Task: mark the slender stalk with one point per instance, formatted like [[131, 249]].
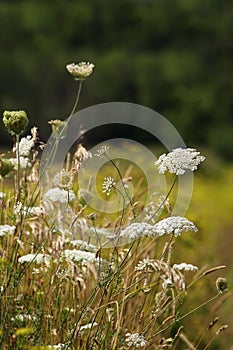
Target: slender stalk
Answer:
[[167, 195], [18, 168]]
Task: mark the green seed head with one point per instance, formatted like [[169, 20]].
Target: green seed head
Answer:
[[15, 121]]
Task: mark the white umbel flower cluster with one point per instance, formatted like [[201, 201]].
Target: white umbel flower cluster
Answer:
[[185, 267], [80, 70], [24, 162], [59, 195], [175, 225], [171, 225], [79, 256], [103, 151], [135, 339], [179, 160], [59, 346], [35, 258], [108, 184], [25, 146], [138, 229], [7, 230]]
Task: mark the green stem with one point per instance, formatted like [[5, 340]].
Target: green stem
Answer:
[[18, 167], [167, 195]]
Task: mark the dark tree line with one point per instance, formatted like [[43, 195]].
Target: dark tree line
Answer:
[[172, 56]]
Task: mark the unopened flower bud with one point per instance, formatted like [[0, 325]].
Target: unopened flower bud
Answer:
[[15, 121]]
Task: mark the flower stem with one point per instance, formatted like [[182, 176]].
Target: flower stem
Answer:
[[18, 168]]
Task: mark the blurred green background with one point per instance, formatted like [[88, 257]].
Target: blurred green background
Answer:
[[172, 56]]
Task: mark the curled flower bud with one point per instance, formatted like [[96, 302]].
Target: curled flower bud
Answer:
[[15, 121], [81, 70], [221, 285], [5, 167]]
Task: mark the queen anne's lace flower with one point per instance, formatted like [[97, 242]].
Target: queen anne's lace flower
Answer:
[[179, 160], [81, 70], [59, 195], [103, 151], [25, 146], [135, 340], [138, 229], [7, 230], [36, 258], [79, 256], [23, 161], [185, 267], [108, 184], [175, 225]]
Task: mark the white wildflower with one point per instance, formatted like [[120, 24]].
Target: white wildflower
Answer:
[[63, 179], [175, 225], [23, 318], [37, 211], [185, 267], [7, 230], [36, 258], [103, 151], [138, 229], [82, 245], [23, 161], [79, 256], [179, 160], [135, 339], [88, 326], [108, 184], [81, 70], [59, 195], [18, 207], [2, 195], [25, 146], [59, 346]]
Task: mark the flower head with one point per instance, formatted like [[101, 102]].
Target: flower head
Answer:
[[185, 267], [175, 225], [135, 340], [79, 256], [15, 121], [81, 70], [23, 161], [103, 151], [25, 146], [36, 258], [108, 184], [179, 160], [7, 230], [60, 195], [138, 229]]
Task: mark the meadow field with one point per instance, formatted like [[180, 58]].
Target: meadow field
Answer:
[[73, 277]]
